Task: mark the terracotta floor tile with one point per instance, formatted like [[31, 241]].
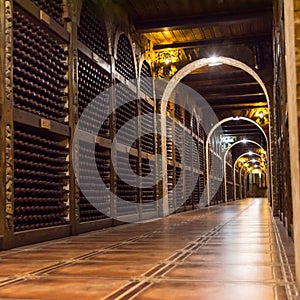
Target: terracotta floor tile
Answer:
[[131, 256], [12, 267], [220, 272], [178, 290], [233, 257], [239, 261], [42, 254], [61, 289], [111, 269]]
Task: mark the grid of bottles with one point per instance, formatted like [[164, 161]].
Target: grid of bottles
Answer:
[[126, 111], [146, 81], [187, 119], [92, 86], [40, 180], [52, 7], [179, 187], [94, 203], [125, 62], [148, 193], [127, 191], [147, 125], [91, 31], [195, 126], [40, 69], [189, 183], [169, 139], [178, 142], [179, 113], [170, 170]]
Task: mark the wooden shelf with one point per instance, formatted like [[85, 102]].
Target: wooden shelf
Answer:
[[33, 120], [92, 139], [127, 82], [94, 57]]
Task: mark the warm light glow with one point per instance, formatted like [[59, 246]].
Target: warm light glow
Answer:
[[250, 153], [167, 60], [261, 114], [214, 61]]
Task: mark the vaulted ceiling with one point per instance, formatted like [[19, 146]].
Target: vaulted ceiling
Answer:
[[240, 29]]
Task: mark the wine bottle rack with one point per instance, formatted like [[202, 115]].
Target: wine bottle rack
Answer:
[[170, 171], [125, 113], [146, 83], [229, 188], [147, 141], [178, 142], [92, 82], [40, 180], [187, 119], [201, 133], [125, 62], [229, 173], [94, 203], [126, 190], [189, 183], [195, 126], [215, 184], [201, 185], [201, 157], [179, 113], [52, 7], [195, 154], [148, 193], [169, 139], [40, 69], [188, 149], [197, 192], [179, 187], [91, 31]]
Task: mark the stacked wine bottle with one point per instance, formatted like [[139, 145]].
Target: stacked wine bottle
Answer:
[[127, 191], [92, 86], [127, 111], [125, 61], [91, 31], [95, 202], [40, 68], [148, 193], [52, 7], [40, 180], [146, 81], [147, 140]]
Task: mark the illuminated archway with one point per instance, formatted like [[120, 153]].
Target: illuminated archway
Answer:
[[208, 141], [202, 63], [234, 166], [224, 161]]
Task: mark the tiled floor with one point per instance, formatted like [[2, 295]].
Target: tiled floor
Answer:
[[227, 252]]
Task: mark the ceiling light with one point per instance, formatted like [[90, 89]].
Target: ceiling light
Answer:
[[244, 141], [250, 153], [167, 60], [261, 114], [214, 61], [236, 119]]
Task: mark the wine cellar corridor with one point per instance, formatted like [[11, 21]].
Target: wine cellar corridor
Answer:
[[149, 150]]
